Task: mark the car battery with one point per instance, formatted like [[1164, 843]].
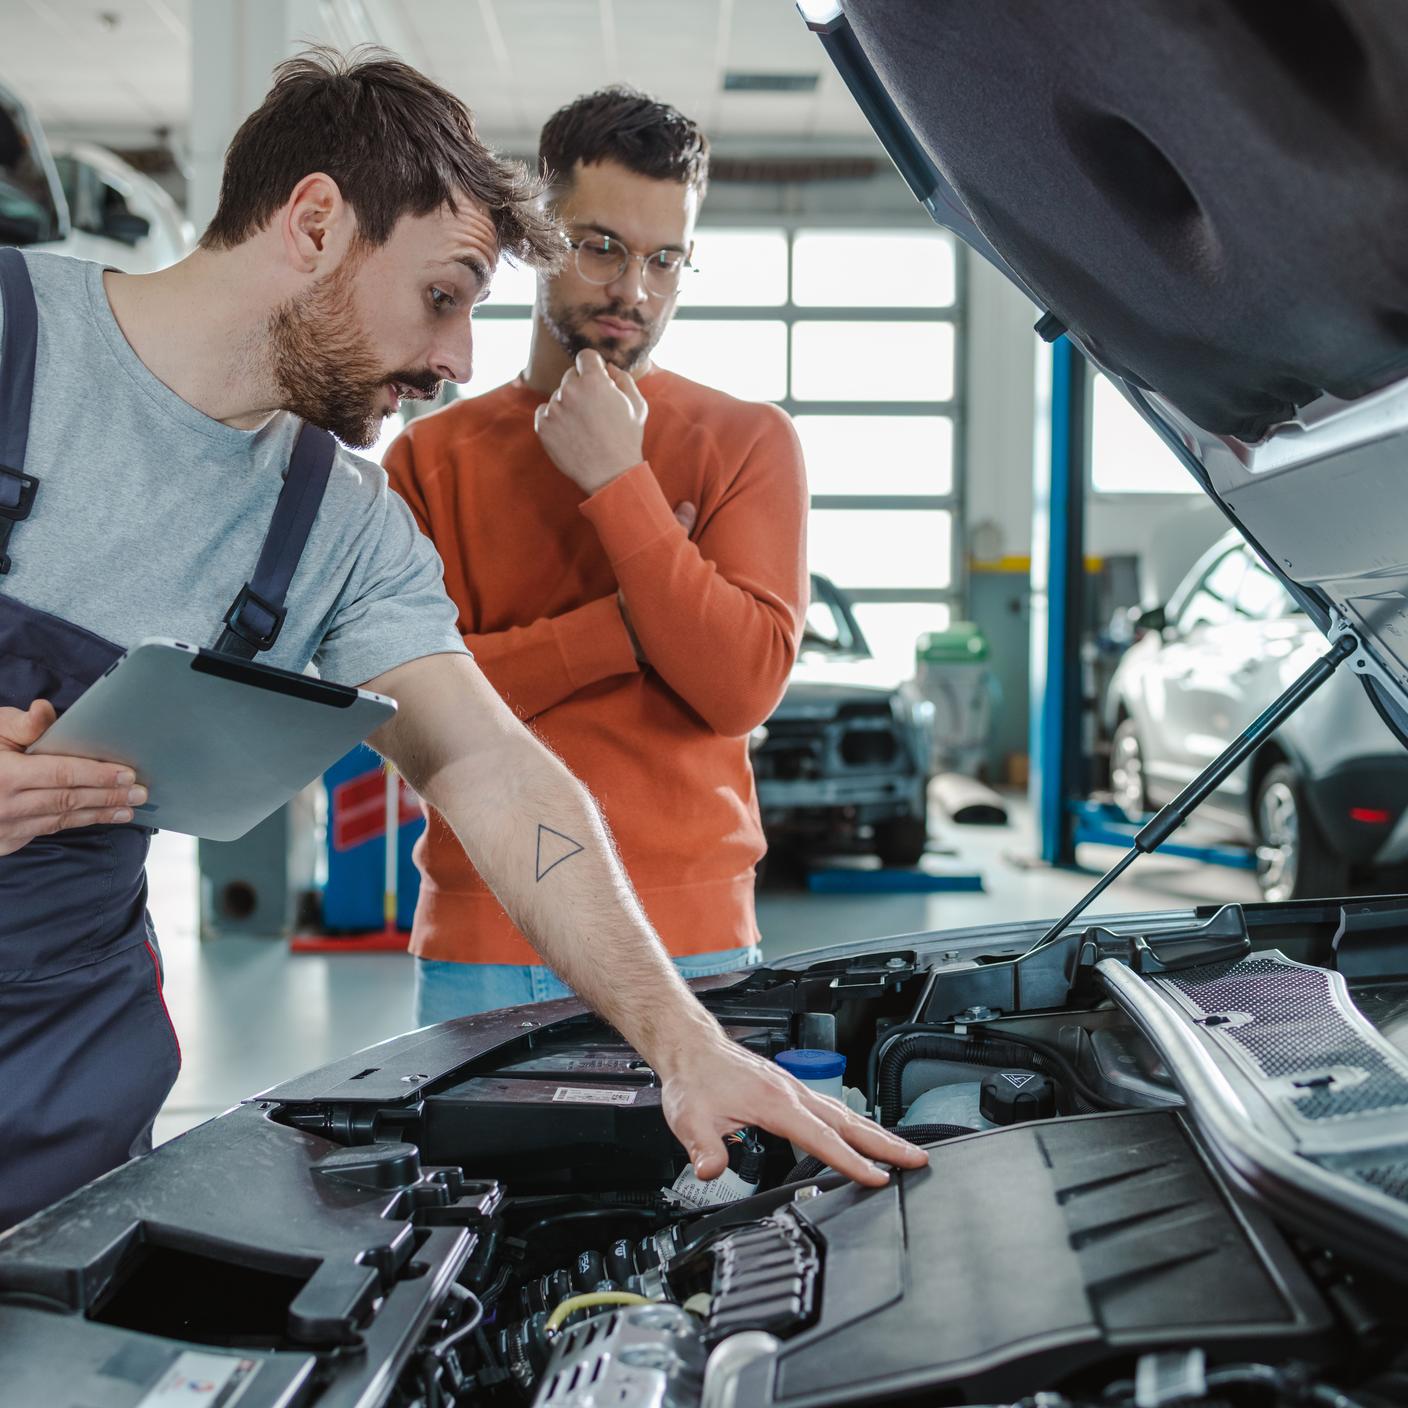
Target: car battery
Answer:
[[354, 894], [566, 1126], [563, 1114]]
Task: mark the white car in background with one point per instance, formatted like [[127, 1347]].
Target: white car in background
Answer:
[[118, 216], [1323, 801], [82, 200]]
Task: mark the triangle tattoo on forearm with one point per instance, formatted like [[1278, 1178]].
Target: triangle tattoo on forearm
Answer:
[[554, 848]]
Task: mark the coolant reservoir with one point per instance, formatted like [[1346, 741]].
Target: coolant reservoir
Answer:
[[957, 1104], [1001, 1097]]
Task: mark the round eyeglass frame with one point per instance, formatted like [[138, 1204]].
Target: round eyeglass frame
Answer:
[[628, 257]]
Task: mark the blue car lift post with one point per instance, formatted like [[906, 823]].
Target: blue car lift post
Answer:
[[1059, 781], [1058, 565]]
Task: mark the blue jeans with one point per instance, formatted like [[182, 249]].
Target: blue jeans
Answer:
[[448, 990]]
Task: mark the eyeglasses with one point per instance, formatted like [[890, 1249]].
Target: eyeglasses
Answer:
[[602, 259]]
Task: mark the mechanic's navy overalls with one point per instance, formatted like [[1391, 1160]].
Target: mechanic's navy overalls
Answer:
[[87, 1050]]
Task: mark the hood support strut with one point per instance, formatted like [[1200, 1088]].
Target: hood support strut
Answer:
[[1170, 818]]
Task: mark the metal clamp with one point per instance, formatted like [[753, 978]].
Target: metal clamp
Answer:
[[261, 637], [17, 491]]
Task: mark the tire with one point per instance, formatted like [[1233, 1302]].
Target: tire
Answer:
[[1127, 777], [1293, 859], [901, 843]]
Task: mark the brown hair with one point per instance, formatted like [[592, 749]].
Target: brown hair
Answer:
[[395, 143], [624, 125]]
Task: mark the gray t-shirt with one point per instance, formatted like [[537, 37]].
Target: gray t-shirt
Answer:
[[150, 515]]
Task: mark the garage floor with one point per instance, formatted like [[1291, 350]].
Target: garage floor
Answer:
[[250, 1014]]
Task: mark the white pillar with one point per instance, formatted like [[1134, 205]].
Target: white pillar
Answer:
[[1001, 391], [235, 46]]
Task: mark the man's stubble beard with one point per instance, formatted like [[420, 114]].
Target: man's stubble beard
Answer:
[[567, 324], [324, 370]]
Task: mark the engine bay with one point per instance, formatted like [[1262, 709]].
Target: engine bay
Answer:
[[1185, 1181]]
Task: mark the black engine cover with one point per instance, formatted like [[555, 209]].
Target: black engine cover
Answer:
[[1025, 1254]]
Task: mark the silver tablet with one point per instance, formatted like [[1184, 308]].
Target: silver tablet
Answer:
[[219, 743]]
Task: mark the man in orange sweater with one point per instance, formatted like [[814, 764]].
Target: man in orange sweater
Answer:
[[627, 552]]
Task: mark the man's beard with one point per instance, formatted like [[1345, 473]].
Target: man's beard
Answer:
[[568, 326], [325, 371]]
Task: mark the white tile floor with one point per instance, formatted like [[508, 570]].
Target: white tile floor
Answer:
[[250, 1014]]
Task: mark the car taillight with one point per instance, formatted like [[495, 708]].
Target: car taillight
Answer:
[[1370, 816]]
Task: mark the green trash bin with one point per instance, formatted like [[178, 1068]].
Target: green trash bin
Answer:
[[952, 672]]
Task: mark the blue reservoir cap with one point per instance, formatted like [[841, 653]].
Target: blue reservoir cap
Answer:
[[807, 1064]]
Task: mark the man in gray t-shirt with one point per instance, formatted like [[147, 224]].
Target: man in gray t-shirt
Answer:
[[152, 513], [360, 221]]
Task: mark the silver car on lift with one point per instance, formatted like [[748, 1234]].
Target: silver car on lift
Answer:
[[1325, 799]]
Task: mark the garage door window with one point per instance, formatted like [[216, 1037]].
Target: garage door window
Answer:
[[1126, 454]]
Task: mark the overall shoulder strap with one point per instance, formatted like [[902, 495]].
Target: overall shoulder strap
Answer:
[[256, 616], [17, 352]]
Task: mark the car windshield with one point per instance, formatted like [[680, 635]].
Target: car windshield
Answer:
[[829, 631], [1236, 588], [28, 213]]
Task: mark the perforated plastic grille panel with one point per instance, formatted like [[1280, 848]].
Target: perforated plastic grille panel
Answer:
[[1292, 1024], [1387, 1178]]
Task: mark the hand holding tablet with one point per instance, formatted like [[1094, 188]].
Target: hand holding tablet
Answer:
[[218, 743]]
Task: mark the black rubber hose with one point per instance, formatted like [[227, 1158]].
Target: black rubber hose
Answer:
[[914, 1133], [1280, 1382], [945, 1046], [588, 1215]]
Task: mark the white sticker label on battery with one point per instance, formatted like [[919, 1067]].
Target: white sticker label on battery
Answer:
[[199, 1380], [585, 1095]]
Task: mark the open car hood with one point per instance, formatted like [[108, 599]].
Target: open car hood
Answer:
[[1208, 199]]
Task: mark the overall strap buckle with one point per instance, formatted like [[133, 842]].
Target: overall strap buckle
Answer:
[[253, 622], [254, 619], [17, 491]]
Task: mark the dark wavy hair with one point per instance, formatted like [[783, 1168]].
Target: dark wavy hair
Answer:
[[624, 125], [395, 143]]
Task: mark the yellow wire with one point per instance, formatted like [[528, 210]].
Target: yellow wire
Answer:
[[593, 1298]]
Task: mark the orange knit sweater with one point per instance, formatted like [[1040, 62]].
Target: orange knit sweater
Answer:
[[534, 568]]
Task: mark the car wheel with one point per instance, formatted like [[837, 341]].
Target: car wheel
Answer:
[[1293, 859], [901, 843], [1127, 772]]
